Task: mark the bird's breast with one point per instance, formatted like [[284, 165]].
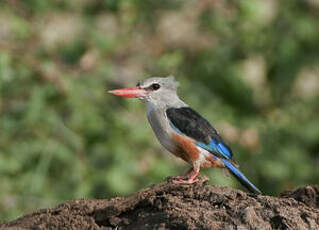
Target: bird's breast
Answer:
[[161, 127]]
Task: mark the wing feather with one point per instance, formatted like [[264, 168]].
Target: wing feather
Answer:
[[188, 122]]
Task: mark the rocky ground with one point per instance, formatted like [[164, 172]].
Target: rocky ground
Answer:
[[170, 206]]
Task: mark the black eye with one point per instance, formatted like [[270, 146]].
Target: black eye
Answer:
[[155, 86]]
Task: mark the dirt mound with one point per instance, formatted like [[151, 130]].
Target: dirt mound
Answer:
[[170, 206]]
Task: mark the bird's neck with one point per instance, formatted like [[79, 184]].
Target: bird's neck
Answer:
[[161, 105]]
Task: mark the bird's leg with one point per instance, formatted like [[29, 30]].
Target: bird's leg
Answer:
[[191, 179], [186, 175]]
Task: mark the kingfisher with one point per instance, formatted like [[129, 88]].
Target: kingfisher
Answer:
[[182, 131]]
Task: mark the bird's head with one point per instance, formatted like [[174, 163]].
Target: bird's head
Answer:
[[155, 89]]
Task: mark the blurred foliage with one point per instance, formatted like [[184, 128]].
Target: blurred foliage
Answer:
[[250, 67]]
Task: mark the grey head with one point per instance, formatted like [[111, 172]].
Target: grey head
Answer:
[[162, 91]]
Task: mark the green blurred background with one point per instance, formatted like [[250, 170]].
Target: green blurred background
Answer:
[[250, 67]]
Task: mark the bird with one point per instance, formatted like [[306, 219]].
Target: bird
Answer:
[[182, 131]]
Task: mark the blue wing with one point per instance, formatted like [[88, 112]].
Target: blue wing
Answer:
[[216, 147], [188, 122]]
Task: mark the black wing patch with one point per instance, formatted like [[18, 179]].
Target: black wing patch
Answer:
[[190, 123]]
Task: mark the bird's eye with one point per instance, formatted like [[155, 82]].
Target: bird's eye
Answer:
[[155, 86]]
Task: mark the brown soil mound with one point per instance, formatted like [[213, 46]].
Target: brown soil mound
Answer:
[[170, 206]]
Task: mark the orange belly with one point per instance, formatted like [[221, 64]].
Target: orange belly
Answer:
[[187, 149]]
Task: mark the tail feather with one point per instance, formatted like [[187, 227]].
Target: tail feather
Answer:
[[240, 176]]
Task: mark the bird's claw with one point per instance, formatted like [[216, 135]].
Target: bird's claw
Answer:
[[187, 175], [185, 181], [182, 177]]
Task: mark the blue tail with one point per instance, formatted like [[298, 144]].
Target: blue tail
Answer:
[[240, 176]]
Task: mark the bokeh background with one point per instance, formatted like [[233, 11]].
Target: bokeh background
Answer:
[[250, 67]]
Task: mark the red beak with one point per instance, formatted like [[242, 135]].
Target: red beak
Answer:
[[129, 92]]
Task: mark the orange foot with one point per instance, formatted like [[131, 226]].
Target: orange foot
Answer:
[[185, 176], [186, 179], [183, 181]]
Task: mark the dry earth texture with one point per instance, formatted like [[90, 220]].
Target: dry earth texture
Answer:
[[170, 206]]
